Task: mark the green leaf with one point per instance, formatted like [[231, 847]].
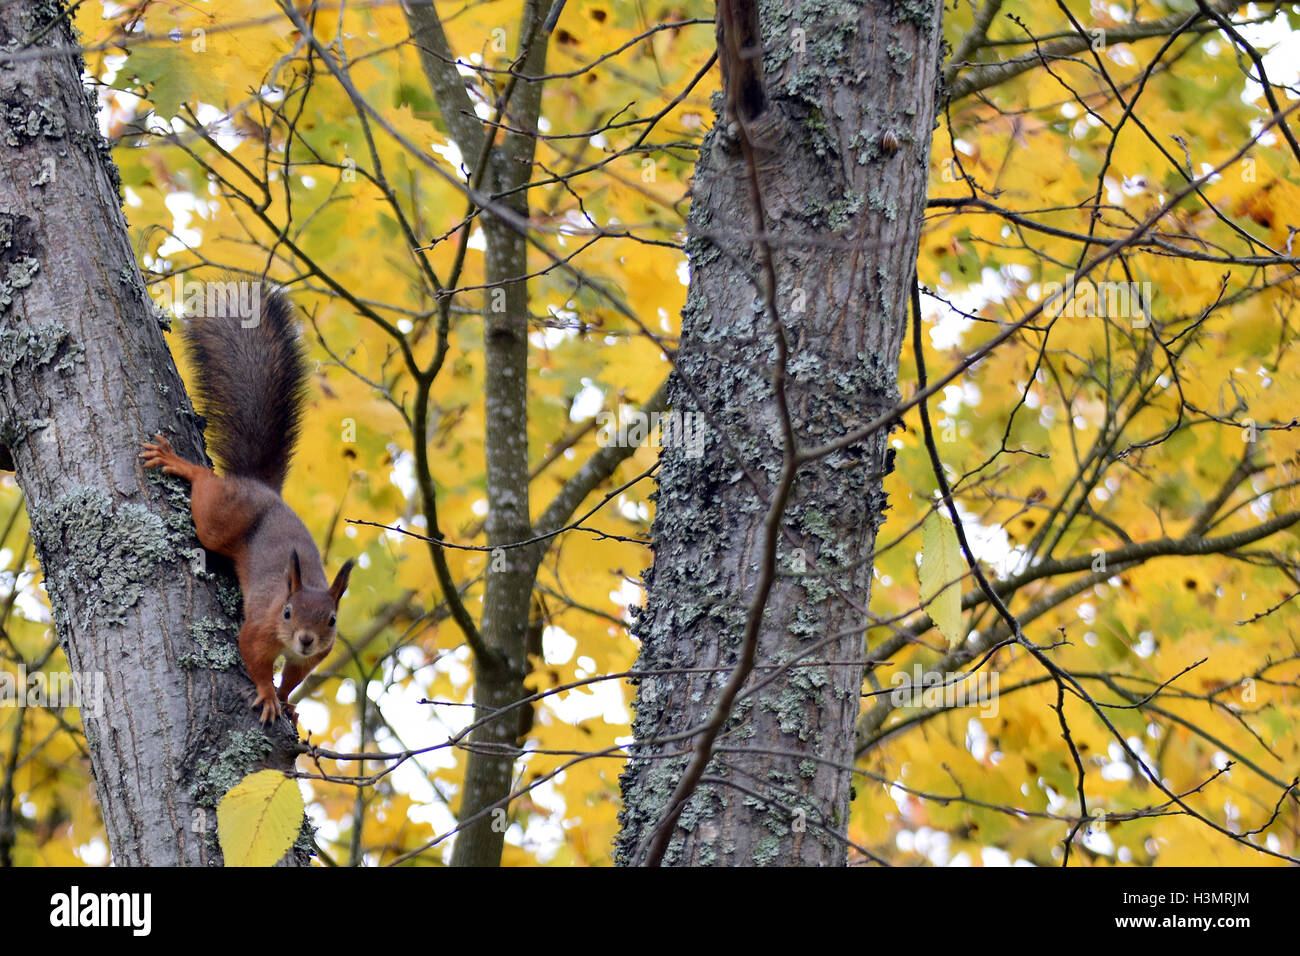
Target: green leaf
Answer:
[[941, 571], [259, 818], [155, 73]]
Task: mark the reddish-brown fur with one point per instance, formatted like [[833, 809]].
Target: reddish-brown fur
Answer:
[[251, 380], [279, 570]]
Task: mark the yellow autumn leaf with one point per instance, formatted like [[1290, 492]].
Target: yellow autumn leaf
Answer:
[[259, 818], [941, 571]]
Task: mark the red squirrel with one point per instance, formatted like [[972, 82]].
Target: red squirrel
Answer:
[[251, 386]]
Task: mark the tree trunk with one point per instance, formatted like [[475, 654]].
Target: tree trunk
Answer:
[[500, 644], [85, 375], [498, 683], [841, 148]]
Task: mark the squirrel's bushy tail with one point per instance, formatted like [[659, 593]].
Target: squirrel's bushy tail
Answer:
[[251, 379]]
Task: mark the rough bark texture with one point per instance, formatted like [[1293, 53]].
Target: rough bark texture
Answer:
[[85, 375], [843, 155]]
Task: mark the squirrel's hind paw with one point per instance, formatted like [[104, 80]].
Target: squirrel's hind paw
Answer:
[[157, 452], [160, 454]]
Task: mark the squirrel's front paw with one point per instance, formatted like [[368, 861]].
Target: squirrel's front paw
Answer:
[[269, 704]]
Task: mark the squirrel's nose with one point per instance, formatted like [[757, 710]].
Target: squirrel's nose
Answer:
[[308, 640]]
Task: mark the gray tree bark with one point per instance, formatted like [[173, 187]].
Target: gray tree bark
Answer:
[[499, 640], [489, 774], [841, 149], [500, 659], [85, 376]]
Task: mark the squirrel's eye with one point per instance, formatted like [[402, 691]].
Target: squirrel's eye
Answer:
[[288, 612], [331, 620]]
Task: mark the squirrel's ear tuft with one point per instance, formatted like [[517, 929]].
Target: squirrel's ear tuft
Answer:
[[341, 580], [295, 574]]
